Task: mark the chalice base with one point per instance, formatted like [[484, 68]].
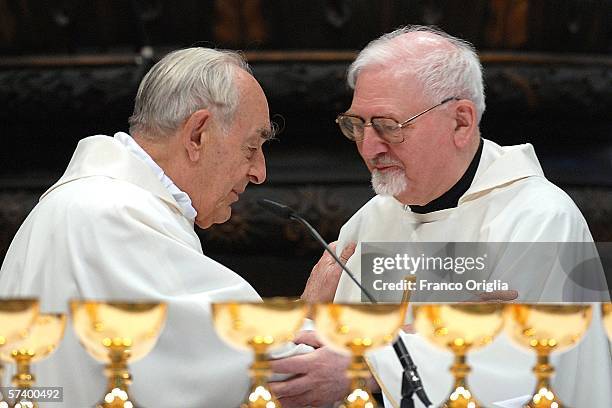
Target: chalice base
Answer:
[[461, 397], [23, 403], [260, 397], [117, 398], [545, 398], [359, 398]]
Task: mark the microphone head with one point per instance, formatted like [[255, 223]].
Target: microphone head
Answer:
[[277, 208]]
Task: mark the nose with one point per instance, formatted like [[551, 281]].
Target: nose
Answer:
[[257, 171], [372, 145]]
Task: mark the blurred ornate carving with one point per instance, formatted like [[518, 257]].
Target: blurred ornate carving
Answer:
[[239, 22], [507, 24]]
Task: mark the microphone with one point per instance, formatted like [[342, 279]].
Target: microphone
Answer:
[[411, 377], [411, 381]]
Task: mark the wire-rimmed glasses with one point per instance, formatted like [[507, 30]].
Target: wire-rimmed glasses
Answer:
[[353, 126]]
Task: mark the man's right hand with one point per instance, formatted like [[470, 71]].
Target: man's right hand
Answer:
[[324, 278]]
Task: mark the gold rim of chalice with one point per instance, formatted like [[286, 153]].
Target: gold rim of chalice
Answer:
[[259, 326], [546, 328], [101, 325], [357, 328], [250, 325], [118, 333], [459, 328], [354, 328]]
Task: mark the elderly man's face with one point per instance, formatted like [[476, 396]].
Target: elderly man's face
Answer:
[[230, 161], [413, 169]]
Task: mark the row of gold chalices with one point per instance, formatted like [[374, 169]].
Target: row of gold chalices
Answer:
[[118, 332], [541, 328], [348, 328], [112, 332]]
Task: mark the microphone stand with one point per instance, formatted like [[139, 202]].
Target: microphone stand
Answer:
[[411, 382]]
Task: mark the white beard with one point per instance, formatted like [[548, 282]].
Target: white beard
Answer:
[[390, 182]]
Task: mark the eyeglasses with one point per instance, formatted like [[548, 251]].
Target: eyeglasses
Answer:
[[388, 129]]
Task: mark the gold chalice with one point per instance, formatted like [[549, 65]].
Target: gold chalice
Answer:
[[16, 315], [38, 342], [606, 314], [259, 326], [459, 328], [546, 329], [115, 333], [357, 329]]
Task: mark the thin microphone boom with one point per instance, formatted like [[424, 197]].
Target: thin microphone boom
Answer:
[[411, 376], [287, 212]]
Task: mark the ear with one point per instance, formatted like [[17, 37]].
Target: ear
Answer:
[[195, 132], [465, 123]]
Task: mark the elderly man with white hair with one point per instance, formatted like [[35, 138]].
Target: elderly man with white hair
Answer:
[[119, 225], [417, 103]]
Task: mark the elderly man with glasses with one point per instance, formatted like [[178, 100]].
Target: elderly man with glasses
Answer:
[[417, 104]]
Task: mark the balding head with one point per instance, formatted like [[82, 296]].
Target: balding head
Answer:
[[443, 65]]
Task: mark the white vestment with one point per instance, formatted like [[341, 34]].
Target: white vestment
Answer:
[[509, 200], [109, 229]]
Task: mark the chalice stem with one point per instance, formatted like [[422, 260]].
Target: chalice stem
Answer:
[[543, 371], [23, 378], [544, 396], [460, 396], [460, 371], [117, 371], [260, 395], [360, 396]]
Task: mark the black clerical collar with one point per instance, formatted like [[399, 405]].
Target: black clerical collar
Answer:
[[451, 198]]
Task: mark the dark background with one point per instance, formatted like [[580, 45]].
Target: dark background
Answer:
[[69, 69]]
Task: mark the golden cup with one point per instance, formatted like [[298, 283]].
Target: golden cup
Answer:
[[115, 333], [606, 315], [546, 329], [16, 315], [259, 326], [459, 328], [357, 329], [37, 342]]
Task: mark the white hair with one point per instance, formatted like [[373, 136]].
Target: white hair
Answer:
[[183, 82], [443, 72]]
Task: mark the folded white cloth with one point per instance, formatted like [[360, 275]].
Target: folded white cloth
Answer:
[[517, 402]]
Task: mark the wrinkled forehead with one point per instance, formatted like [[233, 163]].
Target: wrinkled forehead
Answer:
[[253, 108], [386, 85]]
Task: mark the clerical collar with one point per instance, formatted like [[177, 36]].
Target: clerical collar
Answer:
[[182, 199], [450, 199]]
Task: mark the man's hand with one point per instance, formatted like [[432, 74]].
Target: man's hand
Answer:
[[497, 296], [323, 280], [319, 378]]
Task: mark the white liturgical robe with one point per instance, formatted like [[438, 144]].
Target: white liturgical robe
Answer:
[[509, 200], [110, 229]]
